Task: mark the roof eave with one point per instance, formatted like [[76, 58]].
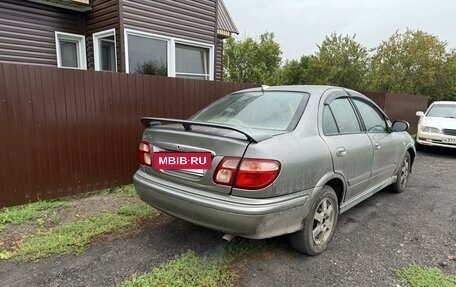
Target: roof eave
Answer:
[[223, 34], [75, 5], [225, 23]]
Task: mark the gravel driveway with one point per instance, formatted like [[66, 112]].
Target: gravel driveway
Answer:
[[379, 235], [384, 232]]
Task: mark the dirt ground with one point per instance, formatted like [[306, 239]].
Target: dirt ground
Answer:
[[379, 235], [73, 210]]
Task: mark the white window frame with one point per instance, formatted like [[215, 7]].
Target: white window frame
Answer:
[[198, 45], [150, 36], [171, 50], [80, 39], [96, 47]]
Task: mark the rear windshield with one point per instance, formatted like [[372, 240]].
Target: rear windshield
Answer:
[[442, 111], [269, 110]]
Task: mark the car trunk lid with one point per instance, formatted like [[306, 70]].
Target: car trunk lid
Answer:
[[189, 136]]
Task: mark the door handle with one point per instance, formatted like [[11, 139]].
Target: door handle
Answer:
[[340, 151], [377, 146]]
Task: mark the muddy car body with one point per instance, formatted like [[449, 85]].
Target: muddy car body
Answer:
[[285, 160]]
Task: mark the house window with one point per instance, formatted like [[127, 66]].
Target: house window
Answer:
[[70, 50], [192, 62], [104, 48], [147, 55], [166, 56]]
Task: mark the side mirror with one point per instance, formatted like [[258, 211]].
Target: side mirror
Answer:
[[400, 126], [420, 114]]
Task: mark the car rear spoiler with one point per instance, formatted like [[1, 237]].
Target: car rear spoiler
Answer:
[[250, 134]]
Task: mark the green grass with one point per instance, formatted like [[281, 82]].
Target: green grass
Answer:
[[192, 270], [27, 212], [37, 210], [5, 255], [122, 190], [73, 237], [417, 276], [186, 271]]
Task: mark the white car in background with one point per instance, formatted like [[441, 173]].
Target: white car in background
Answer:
[[437, 127]]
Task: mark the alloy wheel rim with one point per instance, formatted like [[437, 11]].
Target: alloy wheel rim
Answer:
[[405, 172], [323, 221]]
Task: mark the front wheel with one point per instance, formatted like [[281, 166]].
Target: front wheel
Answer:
[[402, 175], [319, 224]]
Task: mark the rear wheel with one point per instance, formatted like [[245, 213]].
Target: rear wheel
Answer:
[[402, 175], [319, 224]]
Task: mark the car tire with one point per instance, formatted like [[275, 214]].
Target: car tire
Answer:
[[402, 174], [321, 221]]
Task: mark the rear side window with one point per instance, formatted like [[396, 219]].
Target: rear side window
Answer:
[[329, 124], [270, 110], [345, 116], [372, 118]]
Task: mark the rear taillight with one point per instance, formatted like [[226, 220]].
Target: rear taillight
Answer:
[[226, 170], [246, 174], [256, 173], [144, 156]]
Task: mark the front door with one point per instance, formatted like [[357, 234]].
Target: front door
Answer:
[[350, 146], [385, 143]]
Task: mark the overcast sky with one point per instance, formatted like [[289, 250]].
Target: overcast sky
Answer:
[[299, 25]]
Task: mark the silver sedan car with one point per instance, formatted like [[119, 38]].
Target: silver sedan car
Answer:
[[270, 161]]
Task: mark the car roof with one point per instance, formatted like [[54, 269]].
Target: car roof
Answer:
[[311, 89], [445, 102]]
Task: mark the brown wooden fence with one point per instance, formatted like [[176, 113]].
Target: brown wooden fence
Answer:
[[400, 106], [64, 132]]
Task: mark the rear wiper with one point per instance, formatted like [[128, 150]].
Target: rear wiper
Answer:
[[450, 117]]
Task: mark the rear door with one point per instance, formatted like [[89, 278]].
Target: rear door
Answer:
[[350, 147]]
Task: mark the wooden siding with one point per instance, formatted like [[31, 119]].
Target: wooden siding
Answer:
[[33, 41], [103, 16], [187, 19], [67, 131], [219, 60], [27, 31], [225, 24]]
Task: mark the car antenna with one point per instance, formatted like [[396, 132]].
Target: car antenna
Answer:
[[264, 88]]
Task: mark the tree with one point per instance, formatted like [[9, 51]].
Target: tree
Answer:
[[252, 61], [152, 67], [413, 62], [294, 72], [341, 61], [447, 79]]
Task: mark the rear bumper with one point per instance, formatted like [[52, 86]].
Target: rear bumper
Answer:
[[247, 217]]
